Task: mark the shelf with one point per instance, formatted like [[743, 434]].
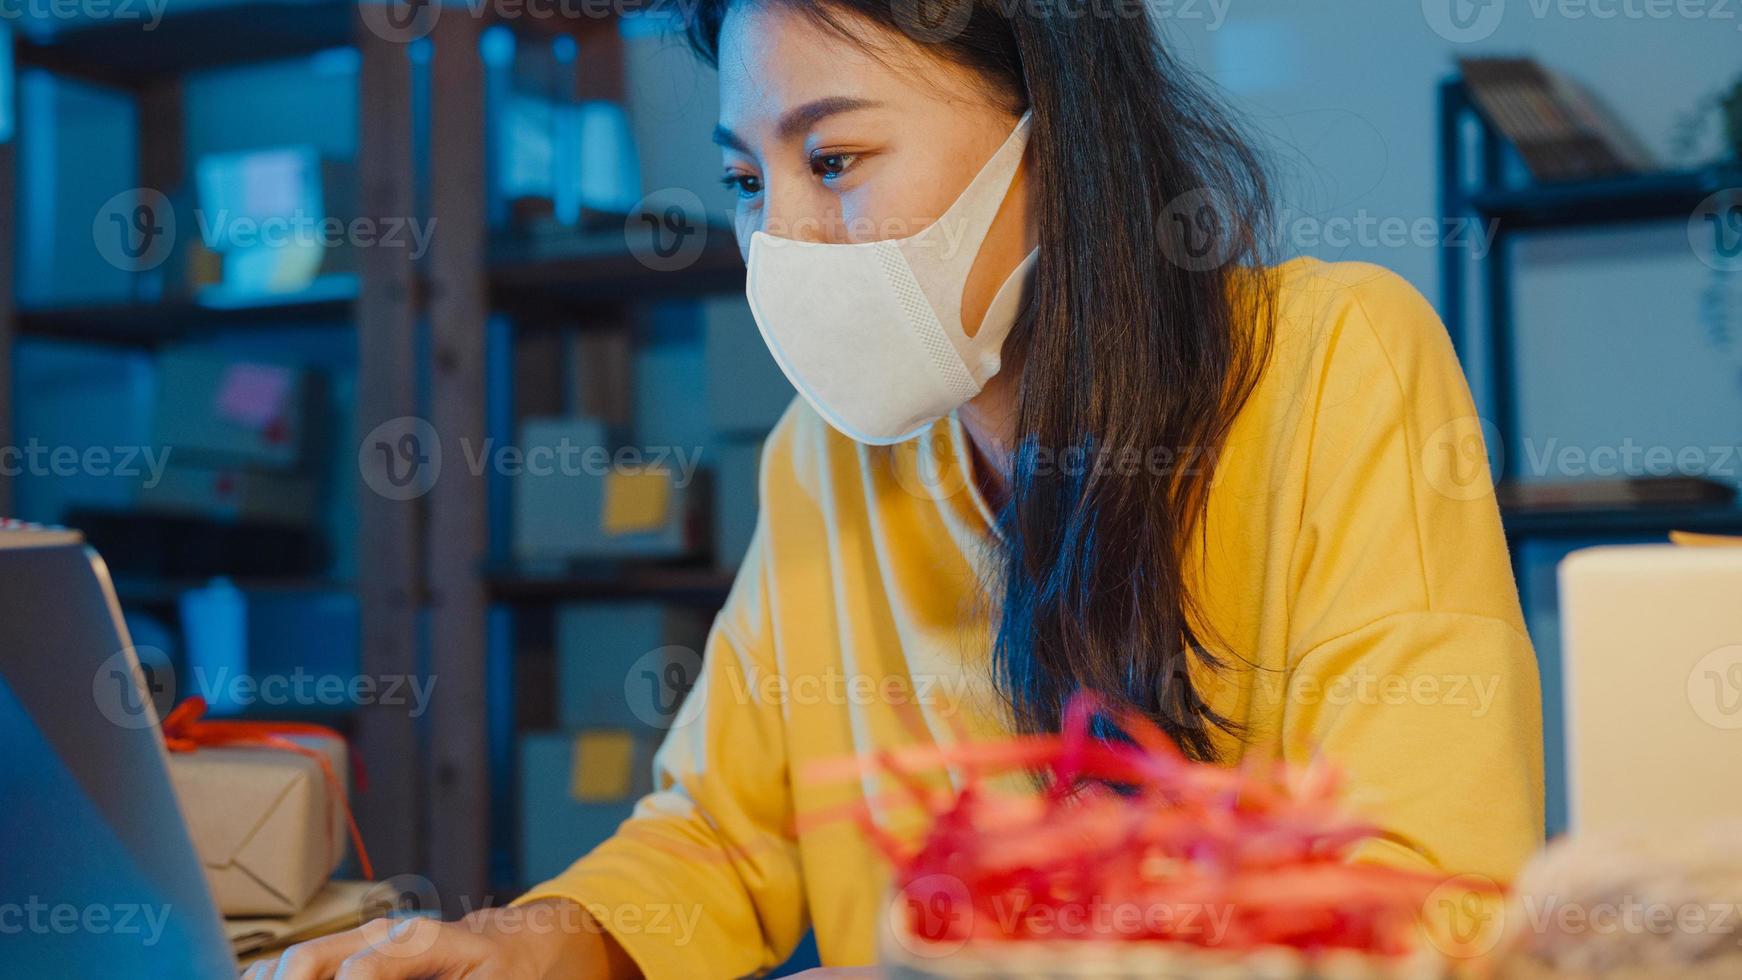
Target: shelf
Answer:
[[130, 53], [553, 276], [150, 324], [146, 591], [682, 585], [1638, 197], [1643, 521]]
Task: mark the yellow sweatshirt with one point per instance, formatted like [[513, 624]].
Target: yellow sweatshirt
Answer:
[[1353, 555]]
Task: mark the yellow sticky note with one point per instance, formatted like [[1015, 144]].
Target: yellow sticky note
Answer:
[[601, 768], [636, 500], [1690, 539]]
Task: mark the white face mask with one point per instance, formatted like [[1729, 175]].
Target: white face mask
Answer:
[[871, 333]]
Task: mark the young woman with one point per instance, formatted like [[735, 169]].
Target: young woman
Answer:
[[1061, 428]]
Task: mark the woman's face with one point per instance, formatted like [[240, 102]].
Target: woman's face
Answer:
[[826, 141]]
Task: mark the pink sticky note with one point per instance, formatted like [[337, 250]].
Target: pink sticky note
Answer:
[[253, 394]]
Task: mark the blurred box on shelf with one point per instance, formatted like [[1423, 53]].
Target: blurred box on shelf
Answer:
[[74, 398], [576, 788], [214, 409], [736, 477], [747, 393], [625, 664], [671, 378], [577, 497], [264, 821], [291, 652], [577, 157], [280, 218], [600, 380], [230, 494]]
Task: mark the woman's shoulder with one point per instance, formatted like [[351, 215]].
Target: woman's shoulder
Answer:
[[1350, 342], [1325, 309]]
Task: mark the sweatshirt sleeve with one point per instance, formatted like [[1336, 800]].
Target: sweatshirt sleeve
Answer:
[[1410, 667], [703, 879]]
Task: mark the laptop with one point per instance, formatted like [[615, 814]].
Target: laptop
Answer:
[[98, 877]]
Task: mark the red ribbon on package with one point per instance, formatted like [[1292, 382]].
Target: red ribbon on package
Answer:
[[185, 730]]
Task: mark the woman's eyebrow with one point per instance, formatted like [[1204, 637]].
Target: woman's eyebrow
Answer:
[[799, 119]]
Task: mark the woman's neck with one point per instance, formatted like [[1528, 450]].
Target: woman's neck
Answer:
[[989, 420]]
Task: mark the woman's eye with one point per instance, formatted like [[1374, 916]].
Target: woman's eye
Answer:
[[829, 166], [744, 185]]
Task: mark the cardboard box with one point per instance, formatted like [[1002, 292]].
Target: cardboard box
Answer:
[[276, 217], [600, 380], [576, 499], [217, 411], [576, 788], [617, 662], [292, 652], [263, 822], [747, 392], [737, 470], [1652, 667], [231, 494], [81, 396]]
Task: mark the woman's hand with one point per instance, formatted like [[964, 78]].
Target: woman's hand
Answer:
[[552, 940]]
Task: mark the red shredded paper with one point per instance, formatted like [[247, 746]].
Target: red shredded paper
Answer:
[[1236, 859]]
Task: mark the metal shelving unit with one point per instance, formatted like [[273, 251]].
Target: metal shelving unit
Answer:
[[1536, 209], [703, 587], [154, 324], [149, 67], [1540, 208], [431, 566]]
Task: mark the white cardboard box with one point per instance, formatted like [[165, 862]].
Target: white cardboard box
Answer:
[[1652, 661]]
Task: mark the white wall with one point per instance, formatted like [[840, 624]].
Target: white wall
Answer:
[[1612, 347]]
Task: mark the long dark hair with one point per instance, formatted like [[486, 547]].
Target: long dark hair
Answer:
[[1147, 328]]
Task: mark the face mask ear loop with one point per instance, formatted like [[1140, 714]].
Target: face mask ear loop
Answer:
[[996, 176]]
